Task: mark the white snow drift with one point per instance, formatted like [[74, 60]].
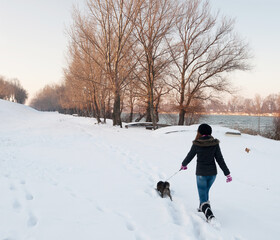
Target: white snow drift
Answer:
[[65, 177]]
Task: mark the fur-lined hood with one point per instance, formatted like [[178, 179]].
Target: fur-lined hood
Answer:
[[206, 141]]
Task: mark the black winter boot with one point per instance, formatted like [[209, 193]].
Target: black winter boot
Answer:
[[206, 209]]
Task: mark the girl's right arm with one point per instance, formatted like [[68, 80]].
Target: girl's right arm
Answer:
[[190, 156]]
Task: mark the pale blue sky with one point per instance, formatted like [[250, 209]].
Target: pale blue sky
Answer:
[[258, 22], [33, 42]]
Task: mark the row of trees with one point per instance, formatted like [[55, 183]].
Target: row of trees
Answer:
[[239, 104], [49, 98], [131, 53], [136, 55], [12, 90]]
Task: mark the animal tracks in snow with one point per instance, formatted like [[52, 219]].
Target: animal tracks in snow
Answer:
[[32, 220], [28, 196], [21, 213], [22, 182], [12, 187], [16, 205], [132, 226], [22, 201]]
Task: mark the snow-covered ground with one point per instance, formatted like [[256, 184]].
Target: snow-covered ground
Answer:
[[65, 177]]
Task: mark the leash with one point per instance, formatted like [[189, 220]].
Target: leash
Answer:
[[173, 175]]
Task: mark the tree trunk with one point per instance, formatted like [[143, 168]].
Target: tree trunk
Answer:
[[117, 110], [148, 112], [151, 115], [131, 113], [156, 111], [107, 109], [182, 116], [181, 106], [97, 110]]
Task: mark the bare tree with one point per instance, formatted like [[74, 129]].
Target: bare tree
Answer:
[[19, 94], [108, 26], [48, 98], [3, 88], [153, 26], [131, 95], [206, 50], [12, 90], [258, 103], [84, 70], [270, 104]]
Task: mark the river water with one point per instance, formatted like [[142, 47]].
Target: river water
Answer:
[[255, 123], [262, 124]]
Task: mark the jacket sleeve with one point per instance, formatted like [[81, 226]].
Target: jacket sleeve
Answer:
[[220, 160], [190, 156]]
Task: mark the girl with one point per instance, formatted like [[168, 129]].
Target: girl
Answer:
[[207, 150]]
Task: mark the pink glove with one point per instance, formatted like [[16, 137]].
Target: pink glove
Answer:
[[229, 178], [184, 168]]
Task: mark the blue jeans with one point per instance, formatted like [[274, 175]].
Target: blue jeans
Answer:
[[204, 184]]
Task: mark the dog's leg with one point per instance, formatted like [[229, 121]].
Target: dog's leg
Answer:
[[169, 196]]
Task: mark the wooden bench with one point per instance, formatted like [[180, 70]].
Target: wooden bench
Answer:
[[147, 125], [233, 133]]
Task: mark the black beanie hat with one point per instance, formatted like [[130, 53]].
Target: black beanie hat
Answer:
[[204, 129]]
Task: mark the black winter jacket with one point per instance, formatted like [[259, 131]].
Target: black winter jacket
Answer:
[[207, 150]]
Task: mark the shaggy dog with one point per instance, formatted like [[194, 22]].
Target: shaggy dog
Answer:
[[163, 188]]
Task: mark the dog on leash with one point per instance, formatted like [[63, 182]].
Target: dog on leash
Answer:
[[164, 189]]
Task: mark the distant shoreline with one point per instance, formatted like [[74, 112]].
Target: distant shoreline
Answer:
[[242, 114]]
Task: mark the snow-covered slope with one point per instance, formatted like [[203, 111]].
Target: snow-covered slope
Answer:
[[64, 177]]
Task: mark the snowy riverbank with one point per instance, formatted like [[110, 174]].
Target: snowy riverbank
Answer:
[[65, 177]]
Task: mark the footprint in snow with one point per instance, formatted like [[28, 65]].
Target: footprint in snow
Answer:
[[152, 180], [28, 196], [32, 220], [102, 209], [125, 153], [151, 192], [22, 182], [238, 238], [7, 175], [72, 194], [176, 216], [140, 236], [16, 205], [130, 226], [161, 176], [12, 187]]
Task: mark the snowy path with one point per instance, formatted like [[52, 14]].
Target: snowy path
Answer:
[[64, 177]]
